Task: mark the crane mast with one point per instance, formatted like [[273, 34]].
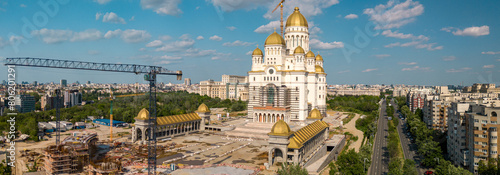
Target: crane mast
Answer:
[[281, 20], [150, 76]]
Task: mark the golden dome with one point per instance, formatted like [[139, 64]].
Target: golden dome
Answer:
[[319, 69], [257, 51], [203, 108], [280, 128], [275, 38], [315, 114], [296, 19], [298, 50], [310, 54], [319, 58], [143, 114]]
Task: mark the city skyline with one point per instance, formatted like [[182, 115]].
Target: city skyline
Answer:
[[415, 42]]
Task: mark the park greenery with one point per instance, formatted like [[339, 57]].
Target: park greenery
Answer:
[[396, 158], [365, 105], [352, 162], [291, 169], [124, 109]]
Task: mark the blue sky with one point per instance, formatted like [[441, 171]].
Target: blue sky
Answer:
[[362, 42]]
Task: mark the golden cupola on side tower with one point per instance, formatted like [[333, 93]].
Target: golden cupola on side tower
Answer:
[[275, 39]]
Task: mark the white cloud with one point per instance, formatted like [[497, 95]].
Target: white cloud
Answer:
[[132, 18], [470, 31], [162, 7], [344, 71], [369, 70], [112, 33], [458, 70], [112, 18], [194, 52], [382, 55], [219, 56], [308, 7], [129, 35], [93, 52], [498, 59], [417, 44], [200, 38], [249, 53], [165, 37], [135, 36], [97, 16], [51, 36], [313, 29], [87, 35], [416, 68], [268, 28], [231, 28], [407, 63], [488, 66], [237, 43], [317, 44], [392, 15], [490, 53], [449, 58], [351, 16], [184, 43], [22, 5], [102, 1], [155, 43], [395, 34], [215, 38], [165, 59]]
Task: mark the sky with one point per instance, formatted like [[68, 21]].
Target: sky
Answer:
[[362, 42]]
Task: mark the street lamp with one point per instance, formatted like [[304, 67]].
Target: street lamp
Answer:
[[364, 166]]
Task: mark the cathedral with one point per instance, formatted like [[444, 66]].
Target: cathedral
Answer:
[[287, 80]]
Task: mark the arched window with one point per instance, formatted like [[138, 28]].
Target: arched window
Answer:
[[270, 95], [493, 114]]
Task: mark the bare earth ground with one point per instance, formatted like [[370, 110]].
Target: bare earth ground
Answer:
[[351, 127]]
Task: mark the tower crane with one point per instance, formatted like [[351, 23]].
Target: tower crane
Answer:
[[281, 20], [149, 72], [111, 98]]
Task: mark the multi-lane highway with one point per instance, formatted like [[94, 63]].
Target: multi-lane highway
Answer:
[[380, 157], [409, 149]]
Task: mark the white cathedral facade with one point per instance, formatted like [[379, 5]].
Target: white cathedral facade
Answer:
[[286, 80]]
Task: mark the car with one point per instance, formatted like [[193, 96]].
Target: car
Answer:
[[428, 172]]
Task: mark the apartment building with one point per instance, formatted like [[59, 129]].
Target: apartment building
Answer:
[[481, 134], [231, 87], [456, 145]]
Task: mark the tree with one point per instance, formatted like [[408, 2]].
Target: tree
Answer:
[[395, 166], [349, 162], [489, 167], [409, 167], [293, 169], [445, 168]]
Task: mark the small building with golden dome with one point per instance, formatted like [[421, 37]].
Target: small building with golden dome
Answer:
[[296, 147], [170, 126], [287, 79]]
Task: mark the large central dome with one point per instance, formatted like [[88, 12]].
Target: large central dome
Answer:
[[296, 19]]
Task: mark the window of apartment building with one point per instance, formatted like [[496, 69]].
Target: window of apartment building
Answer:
[[475, 135], [476, 164], [484, 143], [493, 152], [484, 121], [475, 149], [476, 143], [484, 151], [493, 122], [476, 128], [484, 136], [476, 120], [493, 137], [484, 129], [493, 144]]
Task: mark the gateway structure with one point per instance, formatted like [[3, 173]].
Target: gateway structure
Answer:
[[286, 80]]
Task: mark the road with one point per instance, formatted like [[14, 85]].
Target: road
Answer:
[[380, 157], [409, 149]]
